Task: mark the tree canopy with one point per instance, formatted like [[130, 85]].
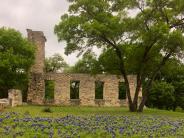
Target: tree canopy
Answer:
[[55, 63], [142, 42], [16, 58], [88, 64]]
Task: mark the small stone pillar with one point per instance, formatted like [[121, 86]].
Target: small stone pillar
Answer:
[[15, 97], [1, 106]]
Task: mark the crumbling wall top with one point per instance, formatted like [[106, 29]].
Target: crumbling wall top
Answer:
[[33, 35]]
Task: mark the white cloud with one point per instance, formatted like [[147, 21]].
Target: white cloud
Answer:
[[41, 15]]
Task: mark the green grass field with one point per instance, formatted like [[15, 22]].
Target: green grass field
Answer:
[[89, 122], [58, 111]]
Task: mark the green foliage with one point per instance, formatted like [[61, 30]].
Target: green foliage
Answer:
[[89, 23], [88, 64], [99, 88], [122, 90], [49, 89], [16, 56], [173, 74], [74, 89], [173, 71], [161, 95], [109, 62], [47, 110], [55, 63], [179, 94]]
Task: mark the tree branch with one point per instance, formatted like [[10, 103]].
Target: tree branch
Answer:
[[140, 71], [179, 23], [122, 68]]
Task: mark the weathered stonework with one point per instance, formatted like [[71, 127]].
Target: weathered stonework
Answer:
[[14, 97], [87, 89], [2, 106], [4, 103], [36, 91], [38, 38]]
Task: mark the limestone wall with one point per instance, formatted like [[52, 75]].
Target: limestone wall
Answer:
[[87, 89]]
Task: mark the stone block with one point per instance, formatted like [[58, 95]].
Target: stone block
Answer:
[[15, 97]]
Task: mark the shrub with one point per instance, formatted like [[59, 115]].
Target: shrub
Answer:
[[47, 110], [161, 95]]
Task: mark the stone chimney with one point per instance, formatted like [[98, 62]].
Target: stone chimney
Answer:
[[38, 38], [36, 89]]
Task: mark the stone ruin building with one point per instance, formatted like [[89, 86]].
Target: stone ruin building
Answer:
[[62, 81]]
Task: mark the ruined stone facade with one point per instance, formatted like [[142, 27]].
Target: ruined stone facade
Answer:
[[36, 91]]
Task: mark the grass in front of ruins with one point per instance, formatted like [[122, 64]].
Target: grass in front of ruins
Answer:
[[58, 111], [89, 122]]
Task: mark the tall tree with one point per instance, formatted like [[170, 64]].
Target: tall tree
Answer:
[[55, 63], [16, 58], [147, 39]]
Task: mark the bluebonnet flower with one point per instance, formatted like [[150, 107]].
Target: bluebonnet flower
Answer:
[[121, 130]]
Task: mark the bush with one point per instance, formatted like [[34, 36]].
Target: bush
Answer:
[[47, 110], [161, 95], [49, 89], [179, 94]]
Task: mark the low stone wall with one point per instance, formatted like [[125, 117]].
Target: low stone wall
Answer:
[[15, 97], [3, 103]]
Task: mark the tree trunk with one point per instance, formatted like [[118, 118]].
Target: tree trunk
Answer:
[[143, 101], [145, 94], [138, 88], [149, 83], [132, 107]]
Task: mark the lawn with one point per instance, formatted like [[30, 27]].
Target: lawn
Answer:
[[89, 122]]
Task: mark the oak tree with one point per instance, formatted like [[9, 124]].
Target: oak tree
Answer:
[[145, 33]]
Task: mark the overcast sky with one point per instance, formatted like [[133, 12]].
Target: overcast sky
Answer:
[[38, 15]]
